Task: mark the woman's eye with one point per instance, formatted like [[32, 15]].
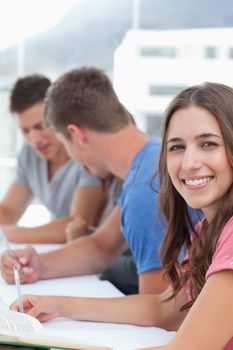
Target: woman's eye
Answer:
[[175, 148], [40, 127], [209, 144]]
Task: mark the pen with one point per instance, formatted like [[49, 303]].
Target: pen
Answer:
[[17, 282], [15, 270]]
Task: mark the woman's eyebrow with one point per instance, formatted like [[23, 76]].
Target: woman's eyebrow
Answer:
[[206, 135], [174, 139], [201, 136]]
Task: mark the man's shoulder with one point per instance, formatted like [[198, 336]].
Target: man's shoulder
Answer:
[[145, 164], [28, 155], [148, 154], [73, 165], [153, 145]]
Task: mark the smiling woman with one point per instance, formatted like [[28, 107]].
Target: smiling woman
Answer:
[[197, 161], [196, 168]]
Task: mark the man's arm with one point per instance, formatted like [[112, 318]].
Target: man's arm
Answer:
[[87, 202], [52, 232], [14, 203], [90, 254]]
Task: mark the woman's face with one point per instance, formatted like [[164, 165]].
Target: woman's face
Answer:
[[197, 161]]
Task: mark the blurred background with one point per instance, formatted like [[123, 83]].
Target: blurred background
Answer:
[[151, 49]]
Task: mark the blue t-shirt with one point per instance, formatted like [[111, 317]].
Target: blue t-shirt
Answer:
[[55, 193], [141, 224]]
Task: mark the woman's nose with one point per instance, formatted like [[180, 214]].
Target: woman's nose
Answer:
[[191, 159]]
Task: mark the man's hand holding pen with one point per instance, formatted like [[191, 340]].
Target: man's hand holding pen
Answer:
[[27, 262]]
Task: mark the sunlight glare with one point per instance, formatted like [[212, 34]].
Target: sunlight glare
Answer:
[[20, 19]]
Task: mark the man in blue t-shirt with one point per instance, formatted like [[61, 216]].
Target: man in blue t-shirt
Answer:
[[98, 131]]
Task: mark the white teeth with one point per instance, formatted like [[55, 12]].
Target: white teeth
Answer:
[[197, 182]]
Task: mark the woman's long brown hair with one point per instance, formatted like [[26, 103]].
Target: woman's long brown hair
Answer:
[[217, 99]]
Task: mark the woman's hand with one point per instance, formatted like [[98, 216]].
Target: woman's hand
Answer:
[[44, 308]]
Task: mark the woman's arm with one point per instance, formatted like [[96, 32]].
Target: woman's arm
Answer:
[[142, 309], [209, 323]]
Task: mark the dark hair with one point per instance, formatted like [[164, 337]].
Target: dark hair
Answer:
[[85, 97], [218, 100], [27, 91]]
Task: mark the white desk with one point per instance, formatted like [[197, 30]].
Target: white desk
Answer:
[[118, 336]]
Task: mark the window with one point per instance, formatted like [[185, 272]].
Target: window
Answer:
[[165, 90], [230, 52], [7, 144], [153, 124], [210, 52], [7, 130], [158, 52]]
